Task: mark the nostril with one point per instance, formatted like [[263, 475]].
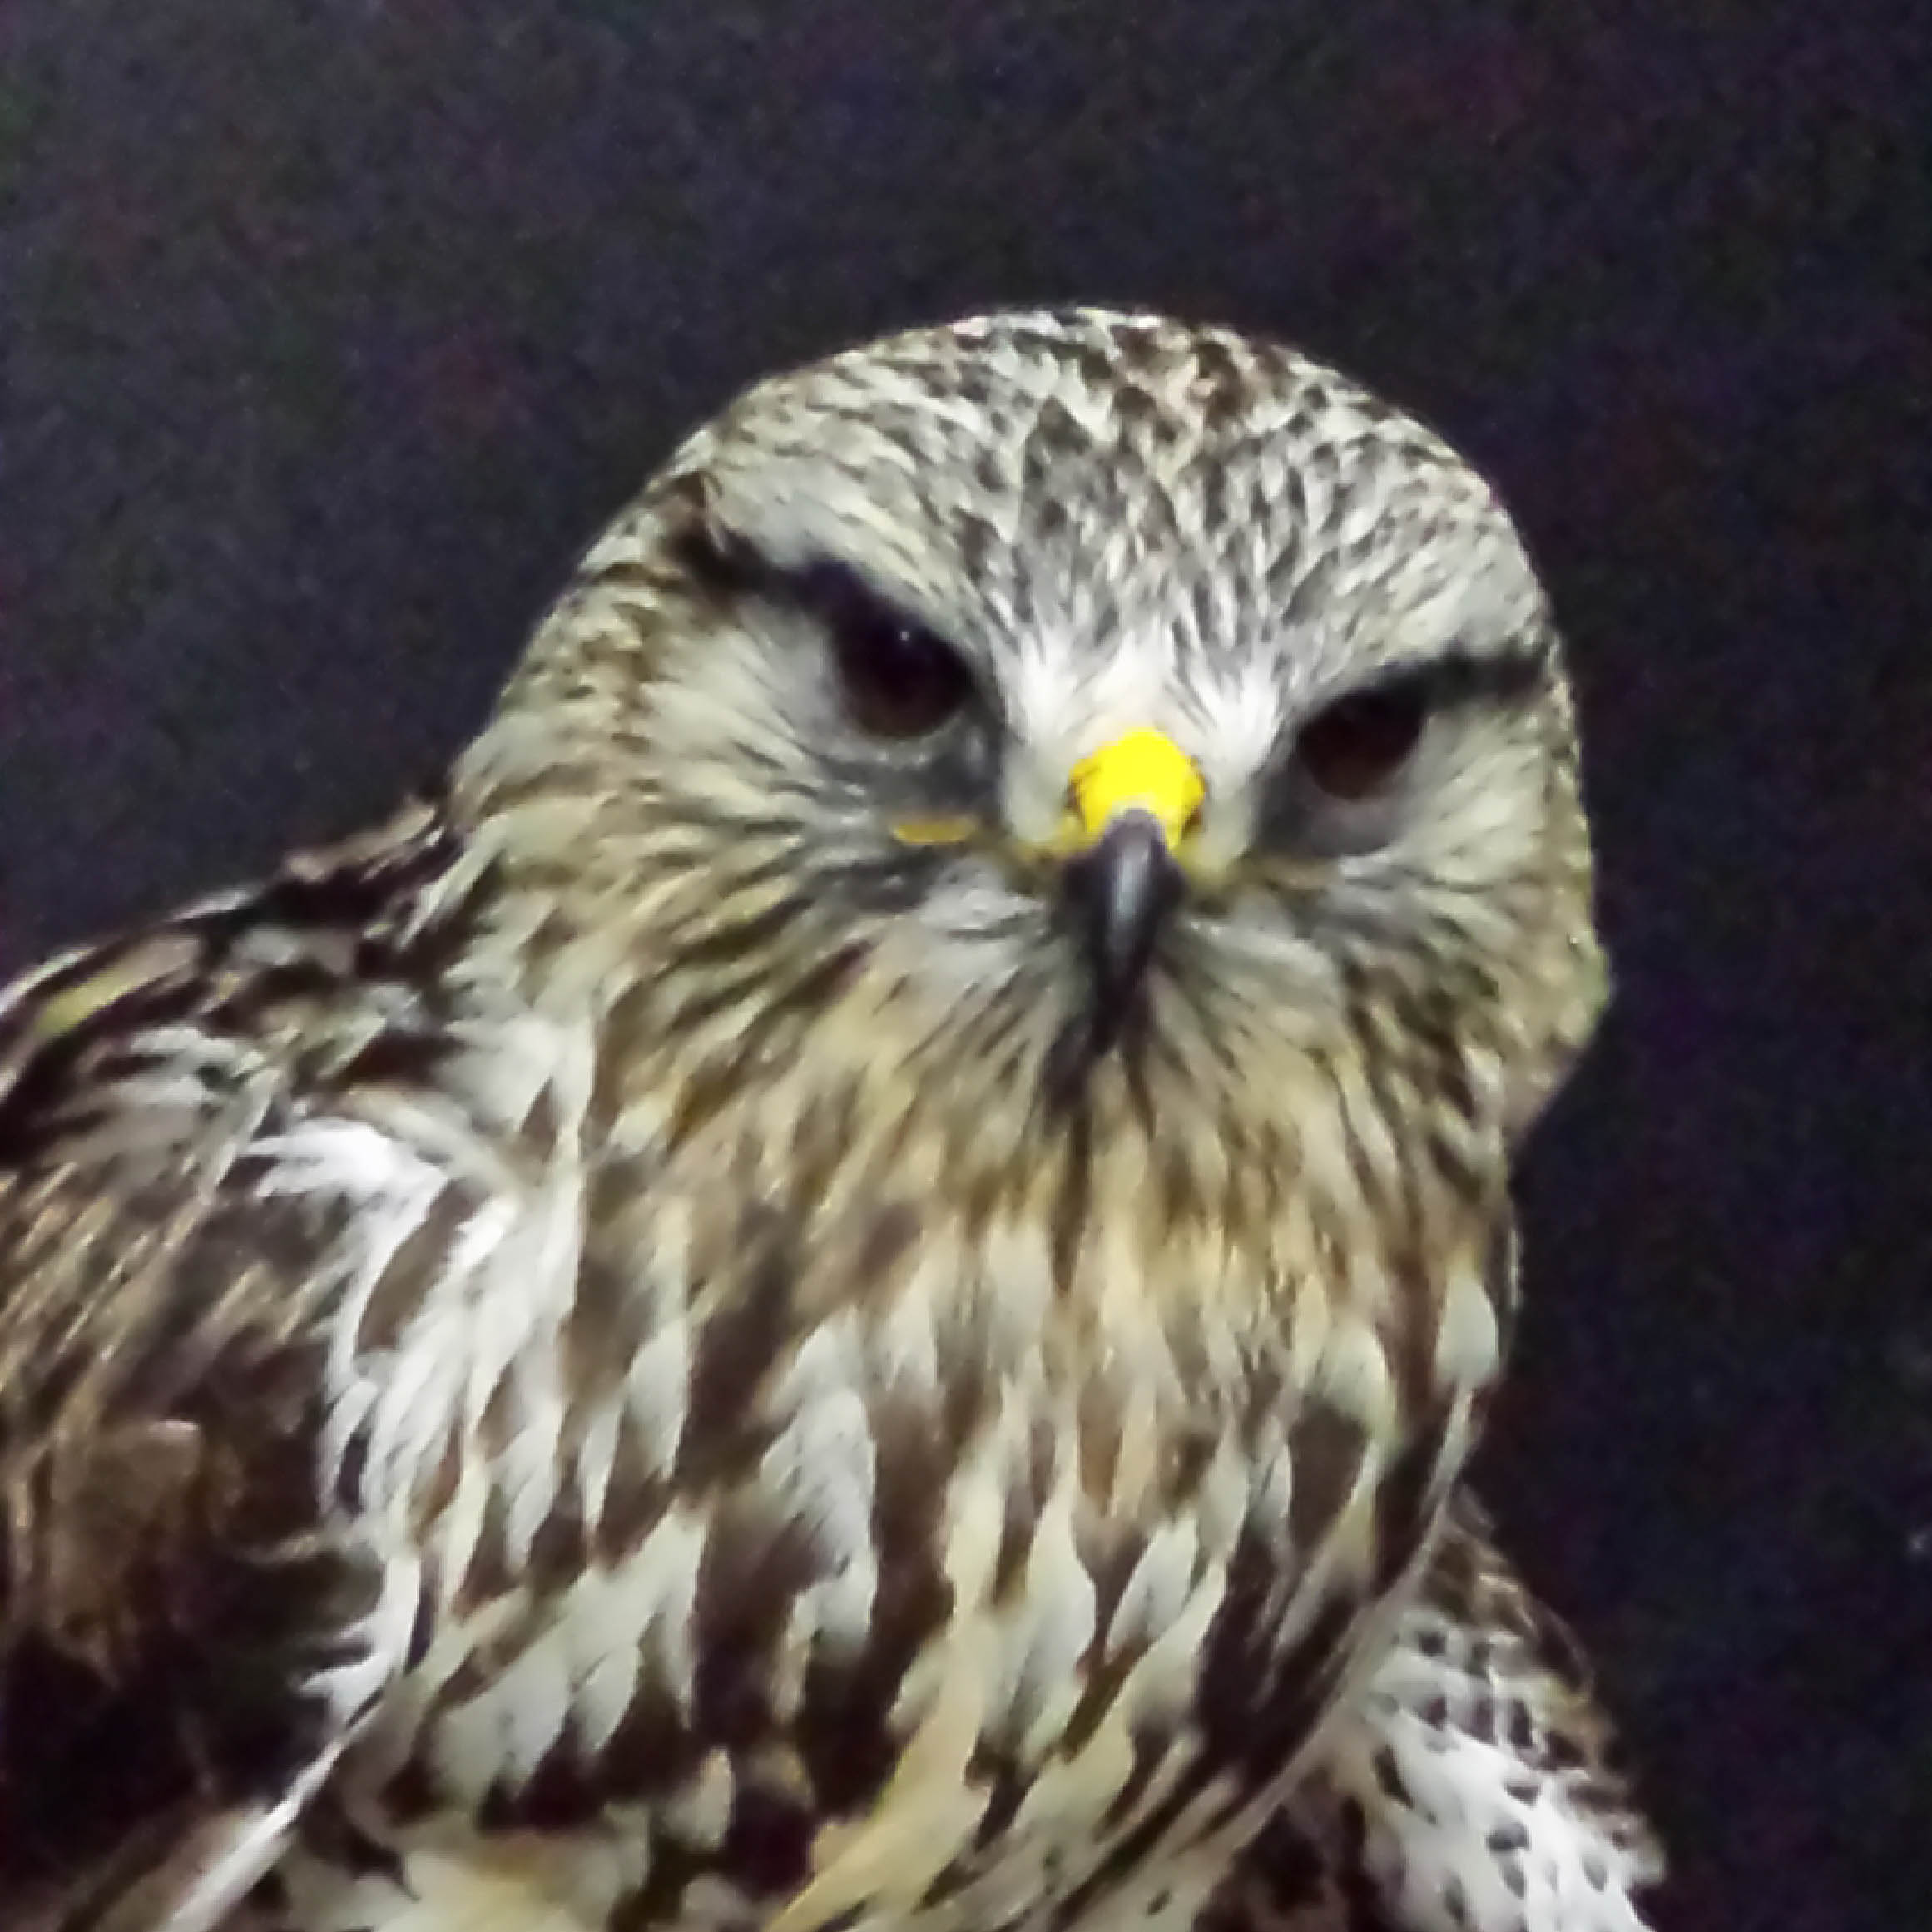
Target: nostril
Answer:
[[1143, 771]]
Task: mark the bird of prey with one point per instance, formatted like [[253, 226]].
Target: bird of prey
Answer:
[[847, 1286]]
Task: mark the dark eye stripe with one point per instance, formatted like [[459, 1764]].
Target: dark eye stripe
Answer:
[[1360, 741], [1461, 676], [1352, 751], [899, 679], [1453, 679]]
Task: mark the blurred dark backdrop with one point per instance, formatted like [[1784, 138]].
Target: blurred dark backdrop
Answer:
[[332, 328]]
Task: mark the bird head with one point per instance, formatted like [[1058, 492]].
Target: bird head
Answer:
[[1059, 711]]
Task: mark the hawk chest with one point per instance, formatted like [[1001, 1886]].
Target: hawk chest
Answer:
[[785, 1608]]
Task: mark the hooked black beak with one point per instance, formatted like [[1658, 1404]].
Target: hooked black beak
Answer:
[[1118, 892]]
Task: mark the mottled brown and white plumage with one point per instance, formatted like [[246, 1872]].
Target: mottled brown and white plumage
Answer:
[[849, 1287]]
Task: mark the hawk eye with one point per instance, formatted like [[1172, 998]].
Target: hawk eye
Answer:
[[899, 679], [1355, 746]]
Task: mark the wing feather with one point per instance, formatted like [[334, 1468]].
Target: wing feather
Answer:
[[1473, 1788], [188, 1635]]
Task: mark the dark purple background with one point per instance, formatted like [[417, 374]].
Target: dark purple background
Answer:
[[330, 331]]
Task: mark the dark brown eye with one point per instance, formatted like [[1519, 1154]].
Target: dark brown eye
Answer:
[[1358, 744], [899, 680]]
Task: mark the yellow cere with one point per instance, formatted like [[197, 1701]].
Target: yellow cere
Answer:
[[1141, 770]]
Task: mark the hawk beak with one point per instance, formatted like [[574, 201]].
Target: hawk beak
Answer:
[[1133, 802]]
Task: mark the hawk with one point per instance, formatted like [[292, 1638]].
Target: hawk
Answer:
[[848, 1286]]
